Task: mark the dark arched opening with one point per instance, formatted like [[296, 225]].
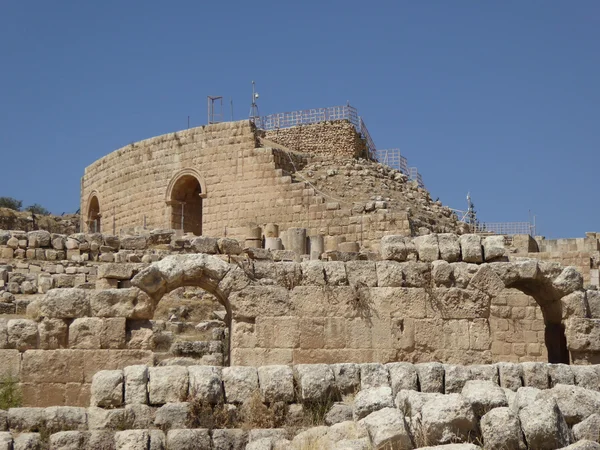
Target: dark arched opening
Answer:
[[186, 205], [93, 216]]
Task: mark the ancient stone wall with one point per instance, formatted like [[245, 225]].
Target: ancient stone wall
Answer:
[[337, 139], [240, 185]]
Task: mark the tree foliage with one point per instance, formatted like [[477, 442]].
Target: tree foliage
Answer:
[[10, 203], [38, 209]]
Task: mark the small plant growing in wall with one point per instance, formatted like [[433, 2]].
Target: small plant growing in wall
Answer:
[[10, 393]]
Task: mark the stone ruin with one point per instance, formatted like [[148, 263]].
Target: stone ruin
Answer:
[[373, 324]]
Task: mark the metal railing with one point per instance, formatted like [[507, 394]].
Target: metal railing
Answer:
[[416, 176], [311, 116], [505, 228], [393, 157]]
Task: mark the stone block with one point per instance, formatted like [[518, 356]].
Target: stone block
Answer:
[[107, 389], [544, 425], [347, 377], [131, 303], [449, 245], [167, 384], [205, 244], [493, 248], [86, 333], [136, 383], [428, 247], [315, 381], [371, 400], [22, 334], [173, 415], [240, 383], [132, 440], [65, 418], [117, 271], [188, 439], [276, 383], [387, 428], [470, 247], [205, 383], [373, 375], [26, 419], [64, 304], [500, 429], [431, 377]]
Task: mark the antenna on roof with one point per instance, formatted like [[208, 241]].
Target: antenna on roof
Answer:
[[254, 115]]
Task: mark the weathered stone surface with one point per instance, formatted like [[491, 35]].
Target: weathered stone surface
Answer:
[[394, 248], [484, 396], [470, 247], [26, 419], [86, 333], [447, 419], [132, 440], [427, 247], [561, 374], [441, 273], [130, 303], [229, 439], [24, 441], [449, 247], [535, 375], [65, 418], [493, 248], [67, 440], [228, 246], [240, 383], [511, 375], [22, 334], [205, 244], [206, 384], [373, 375], [501, 430], [136, 382], [107, 388], [583, 334], [167, 384], [544, 426], [339, 412], [102, 418], [402, 376], [431, 377], [347, 377], [117, 271], [315, 381], [198, 439], [387, 427], [370, 400], [575, 403], [523, 397], [585, 377], [583, 445], [173, 415], [67, 303], [569, 280], [276, 383], [588, 429]]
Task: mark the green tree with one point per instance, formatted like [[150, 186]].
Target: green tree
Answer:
[[38, 209], [10, 203]]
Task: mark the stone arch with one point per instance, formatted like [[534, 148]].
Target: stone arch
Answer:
[[207, 272], [556, 289], [93, 213], [184, 196]]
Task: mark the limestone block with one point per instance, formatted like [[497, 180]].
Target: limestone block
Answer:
[[455, 378], [431, 377], [449, 247], [416, 274], [132, 440], [140, 416], [569, 280], [535, 375], [107, 388], [575, 403], [562, 374], [544, 425], [111, 241], [470, 248], [313, 273], [584, 376], [26, 419], [501, 430], [65, 418], [427, 247], [101, 418], [335, 273], [229, 439], [448, 418], [67, 303], [262, 301], [486, 280], [136, 384], [205, 383], [197, 439], [339, 412], [493, 248], [25, 441], [240, 383], [131, 303], [68, 440], [315, 381], [441, 273], [361, 273], [387, 427], [402, 376], [484, 396], [228, 246], [394, 248], [3, 420], [511, 375], [86, 333], [389, 274], [41, 236], [52, 366], [370, 400], [276, 383], [347, 377], [133, 243], [456, 303], [205, 244], [117, 271], [22, 334], [167, 384], [588, 429], [574, 305], [373, 375], [173, 415], [583, 334]]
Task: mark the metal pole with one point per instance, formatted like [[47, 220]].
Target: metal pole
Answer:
[[182, 207]]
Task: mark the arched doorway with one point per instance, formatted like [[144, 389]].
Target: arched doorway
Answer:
[[94, 215], [184, 198]]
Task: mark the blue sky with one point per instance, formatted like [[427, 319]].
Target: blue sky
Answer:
[[499, 98]]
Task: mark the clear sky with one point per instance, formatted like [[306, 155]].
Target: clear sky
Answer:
[[499, 98]]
